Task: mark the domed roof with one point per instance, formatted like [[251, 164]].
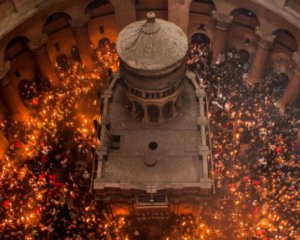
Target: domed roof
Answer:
[[152, 44]]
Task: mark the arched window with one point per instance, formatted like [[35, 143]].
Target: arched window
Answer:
[[99, 8], [56, 22], [245, 18], [202, 7], [285, 41], [15, 47]]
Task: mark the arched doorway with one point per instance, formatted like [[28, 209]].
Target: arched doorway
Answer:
[[63, 62], [279, 84], [283, 80], [200, 38], [104, 43], [27, 89], [199, 55], [197, 22], [153, 113]]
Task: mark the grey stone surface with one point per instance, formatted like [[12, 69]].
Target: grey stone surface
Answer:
[[176, 154]]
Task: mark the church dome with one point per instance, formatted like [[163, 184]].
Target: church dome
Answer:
[[152, 44]]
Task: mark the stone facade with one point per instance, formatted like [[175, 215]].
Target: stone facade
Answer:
[[153, 163], [152, 55]]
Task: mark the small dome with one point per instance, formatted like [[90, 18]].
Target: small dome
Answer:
[[152, 44]]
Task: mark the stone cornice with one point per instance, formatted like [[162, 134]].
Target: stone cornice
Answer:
[[283, 12], [13, 21], [222, 21], [7, 24]]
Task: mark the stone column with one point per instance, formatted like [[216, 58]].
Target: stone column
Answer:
[[125, 12], [293, 88], [11, 96], [80, 27], [202, 122], [174, 113], [161, 114], [37, 45], [220, 36], [178, 13], [146, 115], [133, 110], [264, 44], [4, 144]]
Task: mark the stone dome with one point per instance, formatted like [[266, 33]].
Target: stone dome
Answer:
[[152, 44]]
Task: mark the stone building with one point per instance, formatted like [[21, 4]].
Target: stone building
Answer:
[[152, 56], [154, 149]]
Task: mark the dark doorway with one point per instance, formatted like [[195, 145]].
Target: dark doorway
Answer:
[[244, 56], [75, 54], [199, 38], [63, 62], [27, 89], [283, 80], [153, 112], [104, 43]]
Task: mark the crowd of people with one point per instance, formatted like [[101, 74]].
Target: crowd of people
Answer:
[[45, 175], [198, 56], [254, 148]]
